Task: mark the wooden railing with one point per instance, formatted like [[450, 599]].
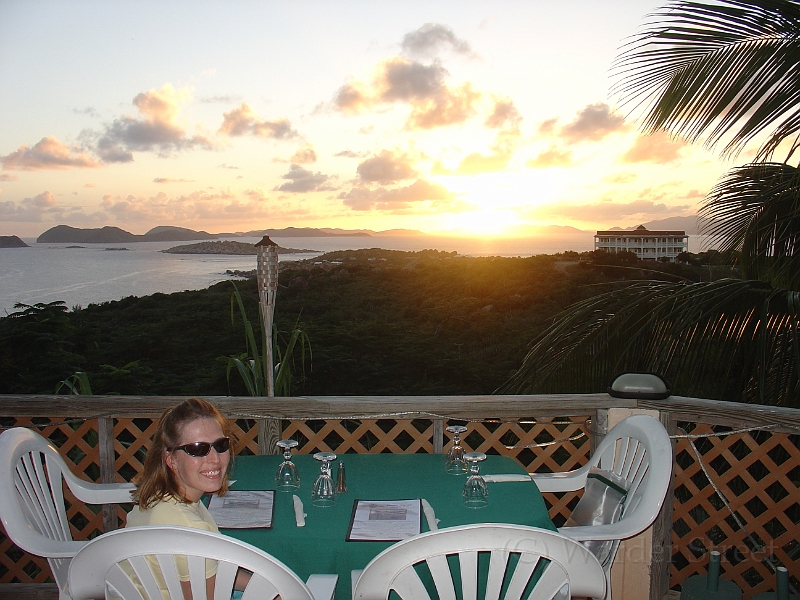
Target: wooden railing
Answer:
[[750, 454]]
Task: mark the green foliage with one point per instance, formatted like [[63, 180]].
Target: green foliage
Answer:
[[252, 365], [77, 384]]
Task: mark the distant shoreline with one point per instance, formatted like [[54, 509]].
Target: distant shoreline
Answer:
[[229, 248]]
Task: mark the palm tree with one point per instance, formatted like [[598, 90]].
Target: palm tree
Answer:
[[727, 74]]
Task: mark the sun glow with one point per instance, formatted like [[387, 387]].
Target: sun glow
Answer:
[[482, 223]]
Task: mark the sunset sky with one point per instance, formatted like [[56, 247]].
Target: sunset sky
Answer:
[[461, 117]]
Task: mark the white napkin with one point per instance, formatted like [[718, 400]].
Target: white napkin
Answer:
[[430, 516], [505, 477], [299, 515]]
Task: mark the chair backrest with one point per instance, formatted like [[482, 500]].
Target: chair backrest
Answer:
[[520, 559], [119, 560], [638, 450], [32, 499]]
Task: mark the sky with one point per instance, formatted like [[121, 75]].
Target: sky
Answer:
[[482, 118]]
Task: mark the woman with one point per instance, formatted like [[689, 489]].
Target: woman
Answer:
[[189, 456]]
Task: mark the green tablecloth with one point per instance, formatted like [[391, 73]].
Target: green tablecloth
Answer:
[[320, 546]]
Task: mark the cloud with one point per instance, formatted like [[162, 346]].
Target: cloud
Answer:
[[244, 121], [89, 185], [475, 164], [422, 87], [656, 148], [89, 111], [429, 39], [504, 115], [48, 153], [6, 177], [212, 207], [592, 124], [304, 156], [302, 181], [165, 180], [34, 209], [350, 154], [611, 212], [155, 129], [551, 158], [227, 166], [386, 167], [224, 99], [363, 198], [624, 177]]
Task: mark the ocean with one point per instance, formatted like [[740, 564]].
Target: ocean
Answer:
[[96, 273]]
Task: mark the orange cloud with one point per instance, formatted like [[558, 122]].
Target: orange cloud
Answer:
[[386, 167], [244, 121], [551, 158], [304, 156], [33, 210], [422, 87], [592, 123], [156, 129], [48, 153], [6, 177], [657, 148], [396, 199]]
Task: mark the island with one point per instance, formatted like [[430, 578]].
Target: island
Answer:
[[12, 241], [229, 247]]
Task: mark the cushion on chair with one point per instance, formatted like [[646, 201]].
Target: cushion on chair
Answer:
[[602, 503]]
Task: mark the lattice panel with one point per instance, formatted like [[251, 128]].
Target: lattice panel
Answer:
[[77, 442], [759, 473], [367, 436]]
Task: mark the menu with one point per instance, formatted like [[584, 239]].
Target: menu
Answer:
[[385, 520], [243, 510]]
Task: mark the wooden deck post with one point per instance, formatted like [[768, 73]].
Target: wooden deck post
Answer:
[[641, 567], [108, 472]]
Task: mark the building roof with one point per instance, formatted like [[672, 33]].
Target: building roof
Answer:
[[640, 231]]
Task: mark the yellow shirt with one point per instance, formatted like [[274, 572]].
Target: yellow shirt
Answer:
[[172, 511]]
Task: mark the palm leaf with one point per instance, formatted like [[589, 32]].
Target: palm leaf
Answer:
[[729, 339], [729, 69], [755, 210]]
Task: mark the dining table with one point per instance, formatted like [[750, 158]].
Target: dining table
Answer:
[[321, 546]]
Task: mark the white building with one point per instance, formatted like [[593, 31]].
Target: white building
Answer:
[[645, 244]]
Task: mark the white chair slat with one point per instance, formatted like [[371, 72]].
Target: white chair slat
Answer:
[[469, 574], [553, 584], [522, 575], [170, 574], [197, 576], [122, 584], [440, 571], [409, 586], [497, 569], [226, 577], [144, 573]]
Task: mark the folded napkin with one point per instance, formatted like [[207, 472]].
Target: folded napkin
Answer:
[[299, 515], [430, 516], [506, 477]]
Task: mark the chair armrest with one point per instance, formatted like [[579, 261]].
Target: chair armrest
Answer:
[[612, 531], [354, 575], [322, 587], [101, 493], [47, 548], [560, 482]]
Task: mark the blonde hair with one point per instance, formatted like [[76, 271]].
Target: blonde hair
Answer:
[[158, 481]]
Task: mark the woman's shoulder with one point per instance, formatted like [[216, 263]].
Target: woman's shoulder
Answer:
[[171, 511]]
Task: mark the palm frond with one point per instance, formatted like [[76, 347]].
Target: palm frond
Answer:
[[729, 339], [728, 69], [755, 210]]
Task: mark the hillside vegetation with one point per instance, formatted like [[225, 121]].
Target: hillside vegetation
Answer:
[[379, 321]]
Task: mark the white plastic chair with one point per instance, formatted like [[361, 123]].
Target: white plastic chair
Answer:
[[638, 449], [32, 499], [550, 565], [97, 568]]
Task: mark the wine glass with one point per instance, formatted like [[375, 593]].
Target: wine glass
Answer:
[[476, 494], [455, 463], [287, 478], [324, 491]]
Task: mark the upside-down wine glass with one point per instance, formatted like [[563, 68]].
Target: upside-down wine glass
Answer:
[[455, 463], [476, 494], [324, 491], [287, 478]]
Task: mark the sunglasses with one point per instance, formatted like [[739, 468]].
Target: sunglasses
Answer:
[[198, 449]]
